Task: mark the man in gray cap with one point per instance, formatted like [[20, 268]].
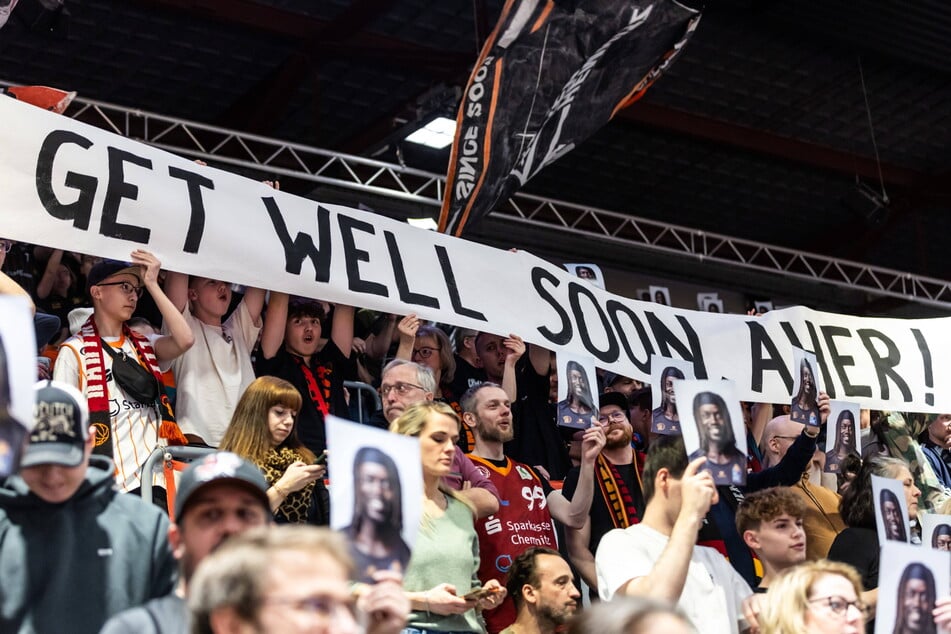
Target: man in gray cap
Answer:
[[74, 551], [218, 496]]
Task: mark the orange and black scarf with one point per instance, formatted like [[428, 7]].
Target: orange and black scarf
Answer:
[[615, 492]]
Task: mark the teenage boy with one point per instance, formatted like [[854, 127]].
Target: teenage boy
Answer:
[[213, 375], [770, 522], [129, 423]]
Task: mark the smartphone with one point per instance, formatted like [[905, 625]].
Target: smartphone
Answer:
[[479, 593], [322, 458]]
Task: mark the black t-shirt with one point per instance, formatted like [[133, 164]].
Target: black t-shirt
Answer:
[[601, 514], [330, 368], [465, 376], [537, 441]]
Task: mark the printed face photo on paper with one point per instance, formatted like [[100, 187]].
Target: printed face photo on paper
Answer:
[[17, 378], [807, 384], [665, 419], [660, 295], [842, 434], [376, 497], [909, 586], [590, 272], [891, 510], [577, 392], [712, 423]]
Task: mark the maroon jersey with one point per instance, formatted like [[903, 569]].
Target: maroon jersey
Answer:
[[523, 522]]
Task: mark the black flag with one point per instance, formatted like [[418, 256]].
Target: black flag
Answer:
[[550, 75]]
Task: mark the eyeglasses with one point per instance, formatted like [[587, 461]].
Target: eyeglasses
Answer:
[[617, 417], [840, 606], [126, 288], [323, 607], [786, 437], [5, 246], [401, 388], [425, 352]]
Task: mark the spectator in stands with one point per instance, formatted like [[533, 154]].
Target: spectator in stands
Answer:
[[653, 558], [858, 544], [17, 278], [219, 495], [632, 615], [214, 374], [532, 503], [290, 349], [623, 384], [73, 550], [446, 554], [618, 501], [935, 441], [770, 522], [263, 431], [289, 580], [129, 409], [428, 346], [469, 370], [542, 588], [821, 597], [639, 413], [822, 520], [405, 384], [59, 289]]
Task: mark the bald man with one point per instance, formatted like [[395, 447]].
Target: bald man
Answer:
[[821, 520]]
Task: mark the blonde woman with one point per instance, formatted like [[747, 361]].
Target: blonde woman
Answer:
[[820, 597], [263, 431], [442, 569]]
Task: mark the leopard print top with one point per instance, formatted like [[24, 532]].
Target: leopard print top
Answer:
[[295, 506]]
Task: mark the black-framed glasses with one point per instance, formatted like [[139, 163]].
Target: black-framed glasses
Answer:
[[401, 388], [126, 288], [840, 605], [425, 352]]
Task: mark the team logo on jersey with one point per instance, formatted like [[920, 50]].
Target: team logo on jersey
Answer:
[[102, 433], [482, 471], [524, 473], [493, 525]]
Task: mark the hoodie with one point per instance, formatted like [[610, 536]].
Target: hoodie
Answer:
[[70, 566]]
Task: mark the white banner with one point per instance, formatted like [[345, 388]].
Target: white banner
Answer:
[[68, 185]]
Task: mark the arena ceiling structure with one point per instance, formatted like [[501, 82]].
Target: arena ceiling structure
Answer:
[[799, 148]]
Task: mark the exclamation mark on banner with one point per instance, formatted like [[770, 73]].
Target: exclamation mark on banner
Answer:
[[926, 359]]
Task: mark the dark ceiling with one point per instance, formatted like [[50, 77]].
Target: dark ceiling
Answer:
[[760, 130]]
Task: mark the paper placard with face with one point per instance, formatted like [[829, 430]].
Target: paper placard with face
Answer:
[[935, 530], [762, 308], [908, 587], [842, 434], [377, 492], [664, 373], [806, 387], [590, 272], [17, 377], [713, 306], [702, 299], [712, 425], [891, 510], [643, 294], [577, 392], [659, 295]]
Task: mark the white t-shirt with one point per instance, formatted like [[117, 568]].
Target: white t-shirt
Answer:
[[134, 425], [713, 592], [213, 374]]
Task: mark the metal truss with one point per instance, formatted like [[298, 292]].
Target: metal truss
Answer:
[[274, 157]]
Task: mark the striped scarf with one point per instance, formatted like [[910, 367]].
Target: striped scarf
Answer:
[[615, 492], [97, 390]]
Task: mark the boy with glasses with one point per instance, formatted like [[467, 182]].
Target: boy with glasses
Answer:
[[128, 426]]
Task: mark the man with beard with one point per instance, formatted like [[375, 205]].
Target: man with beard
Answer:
[[541, 586], [218, 496], [916, 601], [528, 503], [619, 501], [376, 541]]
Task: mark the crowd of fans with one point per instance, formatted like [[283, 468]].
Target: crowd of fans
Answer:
[[519, 516]]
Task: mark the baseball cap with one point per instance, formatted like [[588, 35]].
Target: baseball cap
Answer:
[[613, 398], [60, 426], [221, 466], [107, 268]]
